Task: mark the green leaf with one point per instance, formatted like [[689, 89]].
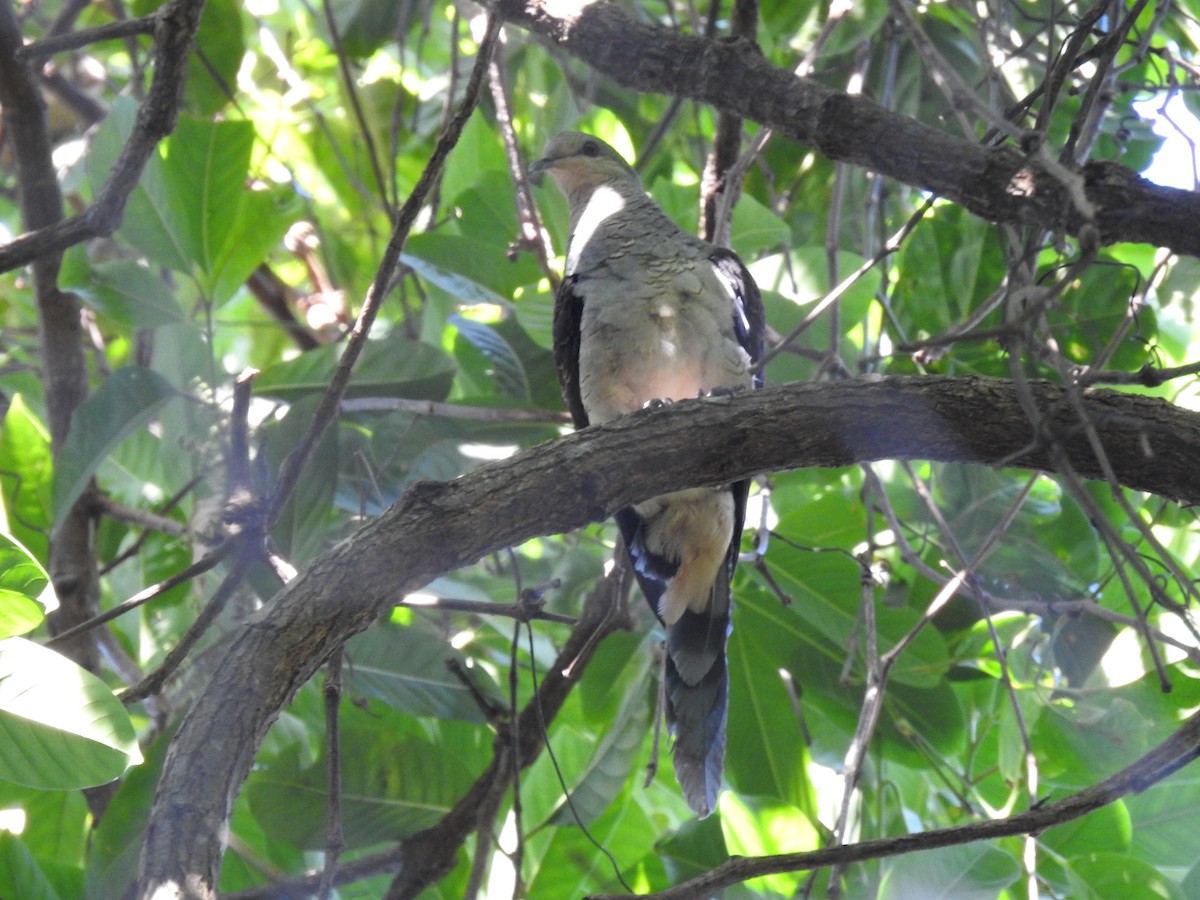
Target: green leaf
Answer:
[[393, 367], [756, 228], [20, 874], [406, 668], [192, 210], [152, 221], [215, 59], [754, 826], [507, 368], [226, 228], [462, 288], [695, 847], [1166, 820], [392, 787], [304, 525], [571, 866], [61, 728], [125, 402], [1110, 875], [24, 594], [26, 470], [766, 754], [1106, 829], [131, 295], [616, 756], [967, 872], [825, 590], [364, 25]]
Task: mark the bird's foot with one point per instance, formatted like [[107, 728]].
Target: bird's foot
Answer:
[[720, 392], [657, 403]]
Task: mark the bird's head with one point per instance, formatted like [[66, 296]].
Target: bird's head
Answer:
[[580, 163]]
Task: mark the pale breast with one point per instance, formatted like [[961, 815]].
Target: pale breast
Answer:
[[661, 330]]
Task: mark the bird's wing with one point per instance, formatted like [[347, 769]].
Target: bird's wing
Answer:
[[568, 311], [749, 321], [696, 675]]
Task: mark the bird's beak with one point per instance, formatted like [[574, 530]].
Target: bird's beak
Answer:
[[538, 168]]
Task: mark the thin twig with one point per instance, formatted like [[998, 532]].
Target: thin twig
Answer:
[[326, 411], [153, 682], [335, 839], [455, 410], [75, 40]]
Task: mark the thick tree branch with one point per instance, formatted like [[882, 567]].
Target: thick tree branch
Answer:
[[564, 484], [1000, 184]]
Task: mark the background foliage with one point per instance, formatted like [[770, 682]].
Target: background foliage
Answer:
[[249, 243]]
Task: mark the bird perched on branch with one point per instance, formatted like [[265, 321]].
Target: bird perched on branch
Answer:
[[648, 313]]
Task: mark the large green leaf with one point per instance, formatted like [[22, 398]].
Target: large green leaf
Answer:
[[754, 826], [192, 210], [432, 257], [616, 756], [1106, 829], [392, 787], [824, 589], [130, 294], [61, 728], [20, 874], [25, 597], [151, 222], [571, 866], [407, 668], [215, 59], [506, 366], [125, 402], [116, 842], [766, 754], [393, 367], [225, 227], [1166, 819], [968, 872], [1103, 876]]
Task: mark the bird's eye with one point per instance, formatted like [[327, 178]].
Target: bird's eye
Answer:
[[591, 148]]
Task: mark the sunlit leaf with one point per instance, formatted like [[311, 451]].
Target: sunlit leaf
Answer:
[[968, 872], [392, 367], [132, 295], [26, 470], [20, 874], [60, 727], [25, 596], [126, 401]]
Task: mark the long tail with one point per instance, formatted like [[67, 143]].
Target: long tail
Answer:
[[695, 677], [697, 686]]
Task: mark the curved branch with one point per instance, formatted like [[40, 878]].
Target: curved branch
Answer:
[[566, 483], [1000, 184]]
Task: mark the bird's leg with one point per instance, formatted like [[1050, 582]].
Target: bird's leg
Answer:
[[720, 392], [657, 403]]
